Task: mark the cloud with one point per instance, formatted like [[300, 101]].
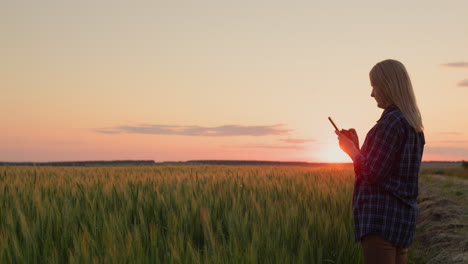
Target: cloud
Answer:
[[297, 140], [110, 131], [452, 133], [451, 141], [220, 131], [68, 142], [460, 64], [447, 151], [264, 146], [463, 83]]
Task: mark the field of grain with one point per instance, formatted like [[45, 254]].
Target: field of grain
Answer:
[[176, 214]]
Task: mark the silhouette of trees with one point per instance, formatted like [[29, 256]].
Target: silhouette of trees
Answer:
[[465, 164]]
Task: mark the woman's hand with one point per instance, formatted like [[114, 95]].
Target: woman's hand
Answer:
[[349, 142]]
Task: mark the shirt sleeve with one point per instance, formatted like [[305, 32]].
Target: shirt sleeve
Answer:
[[377, 162]]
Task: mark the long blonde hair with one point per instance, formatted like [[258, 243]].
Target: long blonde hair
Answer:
[[392, 82]]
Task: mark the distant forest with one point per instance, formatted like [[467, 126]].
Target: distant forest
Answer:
[[199, 162], [82, 163], [152, 162]]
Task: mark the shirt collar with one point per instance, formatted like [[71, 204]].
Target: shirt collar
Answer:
[[387, 110]]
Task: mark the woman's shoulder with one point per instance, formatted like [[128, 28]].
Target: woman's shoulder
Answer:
[[395, 121]]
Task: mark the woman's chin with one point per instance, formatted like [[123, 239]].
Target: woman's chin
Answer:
[[381, 106]]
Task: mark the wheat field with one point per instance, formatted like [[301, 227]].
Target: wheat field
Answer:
[[177, 214]]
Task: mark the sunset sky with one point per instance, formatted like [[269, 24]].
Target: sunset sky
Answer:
[[244, 79]]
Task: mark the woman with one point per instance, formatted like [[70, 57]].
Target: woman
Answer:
[[387, 168]]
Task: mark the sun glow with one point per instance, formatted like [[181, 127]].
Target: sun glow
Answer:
[[333, 153]]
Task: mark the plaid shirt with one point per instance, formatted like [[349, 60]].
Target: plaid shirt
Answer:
[[386, 184]]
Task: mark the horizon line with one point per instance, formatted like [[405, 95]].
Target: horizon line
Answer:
[[199, 160]]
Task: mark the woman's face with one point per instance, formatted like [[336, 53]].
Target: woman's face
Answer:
[[378, 99]]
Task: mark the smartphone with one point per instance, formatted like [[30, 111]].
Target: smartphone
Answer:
[[333, 123]]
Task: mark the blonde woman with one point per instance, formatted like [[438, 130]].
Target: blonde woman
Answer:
[[387, 168]]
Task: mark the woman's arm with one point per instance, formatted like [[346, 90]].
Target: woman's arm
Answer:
[[378, 161]]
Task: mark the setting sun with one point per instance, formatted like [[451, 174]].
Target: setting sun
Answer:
[[333, 153]]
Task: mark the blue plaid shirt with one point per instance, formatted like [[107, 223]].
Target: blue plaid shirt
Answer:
[[386, 184]]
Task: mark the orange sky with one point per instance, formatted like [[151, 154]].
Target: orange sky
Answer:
[[221, 79]]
